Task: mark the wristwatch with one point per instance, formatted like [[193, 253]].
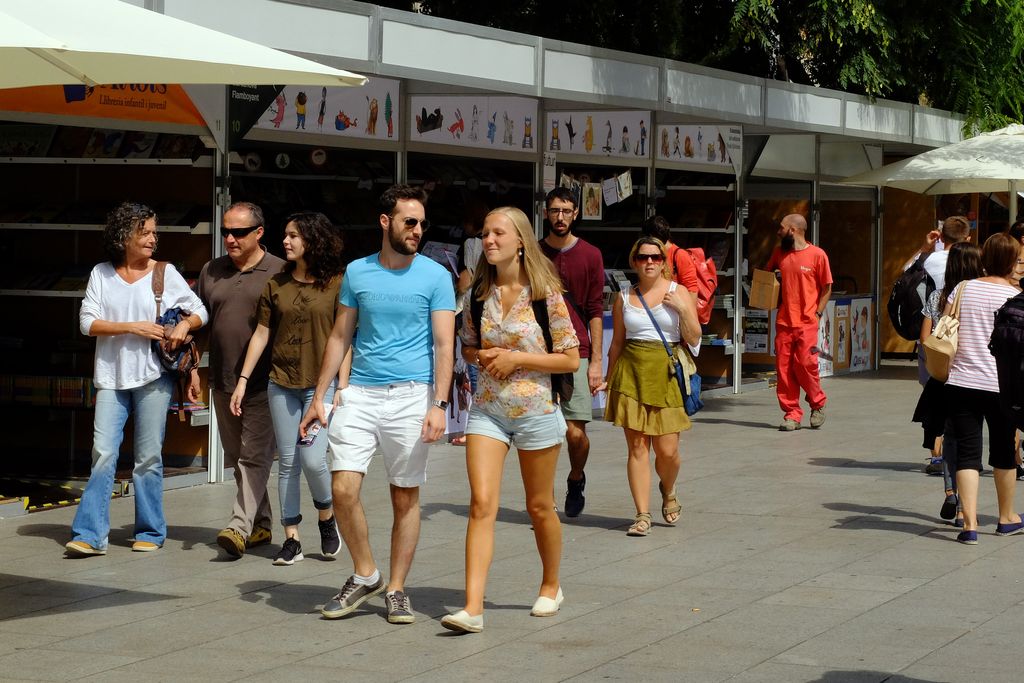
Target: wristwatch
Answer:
[[818, 313], [438, 403]]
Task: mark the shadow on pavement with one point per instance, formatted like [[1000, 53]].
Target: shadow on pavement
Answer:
[[510, 516]]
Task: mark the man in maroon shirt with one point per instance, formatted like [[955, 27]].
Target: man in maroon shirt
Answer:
[[582, 270]]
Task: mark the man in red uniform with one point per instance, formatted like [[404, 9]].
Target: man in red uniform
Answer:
[[806, 288], [581, 268]]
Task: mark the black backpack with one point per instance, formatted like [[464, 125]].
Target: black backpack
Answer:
[[907, 300], [561, 383], [1007, 345]]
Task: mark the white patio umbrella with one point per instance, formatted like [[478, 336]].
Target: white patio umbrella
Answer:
[[990, 162], [63, 42]]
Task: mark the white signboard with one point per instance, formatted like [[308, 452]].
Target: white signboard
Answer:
[[707, 145], [506, 123], [621, 134], [370, 111]]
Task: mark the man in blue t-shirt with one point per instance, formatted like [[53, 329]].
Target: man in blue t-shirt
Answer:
[[395, 401]]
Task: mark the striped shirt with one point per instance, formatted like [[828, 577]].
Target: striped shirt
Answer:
[[973, 366]]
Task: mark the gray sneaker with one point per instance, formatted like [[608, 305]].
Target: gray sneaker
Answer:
[[399, 608], [817, 417], [351, 596], [789, 426]]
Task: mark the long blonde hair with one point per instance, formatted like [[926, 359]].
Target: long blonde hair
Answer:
[[540, 272]]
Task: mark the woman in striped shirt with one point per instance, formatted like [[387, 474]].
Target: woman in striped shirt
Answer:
[[972, 391]]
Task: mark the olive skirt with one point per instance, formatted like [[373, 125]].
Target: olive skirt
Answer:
[[642, 395]]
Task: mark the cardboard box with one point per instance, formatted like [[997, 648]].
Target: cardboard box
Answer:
[[764, 291]]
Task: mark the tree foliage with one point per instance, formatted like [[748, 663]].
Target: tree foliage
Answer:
[[962, 55]]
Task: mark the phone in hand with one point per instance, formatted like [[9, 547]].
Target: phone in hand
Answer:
[[315, 428], [311, 433]]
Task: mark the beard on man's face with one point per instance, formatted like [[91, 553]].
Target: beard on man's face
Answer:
[[400, 245], [561, 227], [788, 242]]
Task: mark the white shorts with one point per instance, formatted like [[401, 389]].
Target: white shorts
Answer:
[[388, 419]]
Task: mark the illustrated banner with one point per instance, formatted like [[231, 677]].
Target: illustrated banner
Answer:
[[707, 145], [620, 134], [369, 111], [505, 123]]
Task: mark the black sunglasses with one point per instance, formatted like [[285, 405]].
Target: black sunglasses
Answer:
[[653, 258], [238, 233], [411, 223]]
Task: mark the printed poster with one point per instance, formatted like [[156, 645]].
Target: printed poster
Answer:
[[592, 201], [505, 123], [599, 133], [369, 111], [842, 332], [860, 334], [755, 331], [610, 190], [826, 341], [624, 182]]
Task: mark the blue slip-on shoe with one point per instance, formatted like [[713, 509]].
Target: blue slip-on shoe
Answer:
[[1010, 529], [967, 537]]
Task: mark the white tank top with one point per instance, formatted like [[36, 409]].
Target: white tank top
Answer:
[[638, 324]]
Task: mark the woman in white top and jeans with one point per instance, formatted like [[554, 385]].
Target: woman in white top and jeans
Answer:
[[644, 397], [119, 309], [972, 391]]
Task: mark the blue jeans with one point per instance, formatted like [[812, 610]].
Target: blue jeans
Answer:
[[287, 406], [149, 403]]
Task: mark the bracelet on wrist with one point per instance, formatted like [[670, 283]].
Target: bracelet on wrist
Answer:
[[245, 377]]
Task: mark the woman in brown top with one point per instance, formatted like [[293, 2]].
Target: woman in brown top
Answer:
[[295, 314]]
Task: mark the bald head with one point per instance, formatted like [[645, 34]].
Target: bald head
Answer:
[[791, 232], [796, 222]]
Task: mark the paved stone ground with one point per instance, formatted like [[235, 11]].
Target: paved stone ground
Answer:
[[808, 556]]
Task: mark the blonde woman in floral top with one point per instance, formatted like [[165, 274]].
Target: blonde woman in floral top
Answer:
[[513, 403]]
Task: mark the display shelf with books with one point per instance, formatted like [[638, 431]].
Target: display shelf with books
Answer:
[[701, 211], [61, 182]]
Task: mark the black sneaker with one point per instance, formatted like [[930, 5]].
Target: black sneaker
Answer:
[[291, 552], [330, 542], [350, 596], [574, 499], [399, 608]]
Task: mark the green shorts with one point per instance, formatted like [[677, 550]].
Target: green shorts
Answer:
[[580, 406]]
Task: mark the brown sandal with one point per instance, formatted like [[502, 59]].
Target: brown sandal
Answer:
[[641, 525], [669, 506]]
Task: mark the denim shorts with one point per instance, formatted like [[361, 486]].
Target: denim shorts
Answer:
[[530, 433]]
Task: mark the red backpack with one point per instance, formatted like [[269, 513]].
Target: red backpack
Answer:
[[707, 280]]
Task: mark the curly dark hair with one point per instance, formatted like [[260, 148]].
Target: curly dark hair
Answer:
[[122, 224], [389, 200], [323, 246]]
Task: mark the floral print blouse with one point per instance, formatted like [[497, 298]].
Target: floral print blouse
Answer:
[[524, 393]]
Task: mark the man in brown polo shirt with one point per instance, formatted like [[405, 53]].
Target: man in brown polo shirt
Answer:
[[229, 287]]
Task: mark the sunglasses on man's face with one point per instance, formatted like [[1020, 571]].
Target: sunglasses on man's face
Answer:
[[653, 258], [410, 223], [238, 233]]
